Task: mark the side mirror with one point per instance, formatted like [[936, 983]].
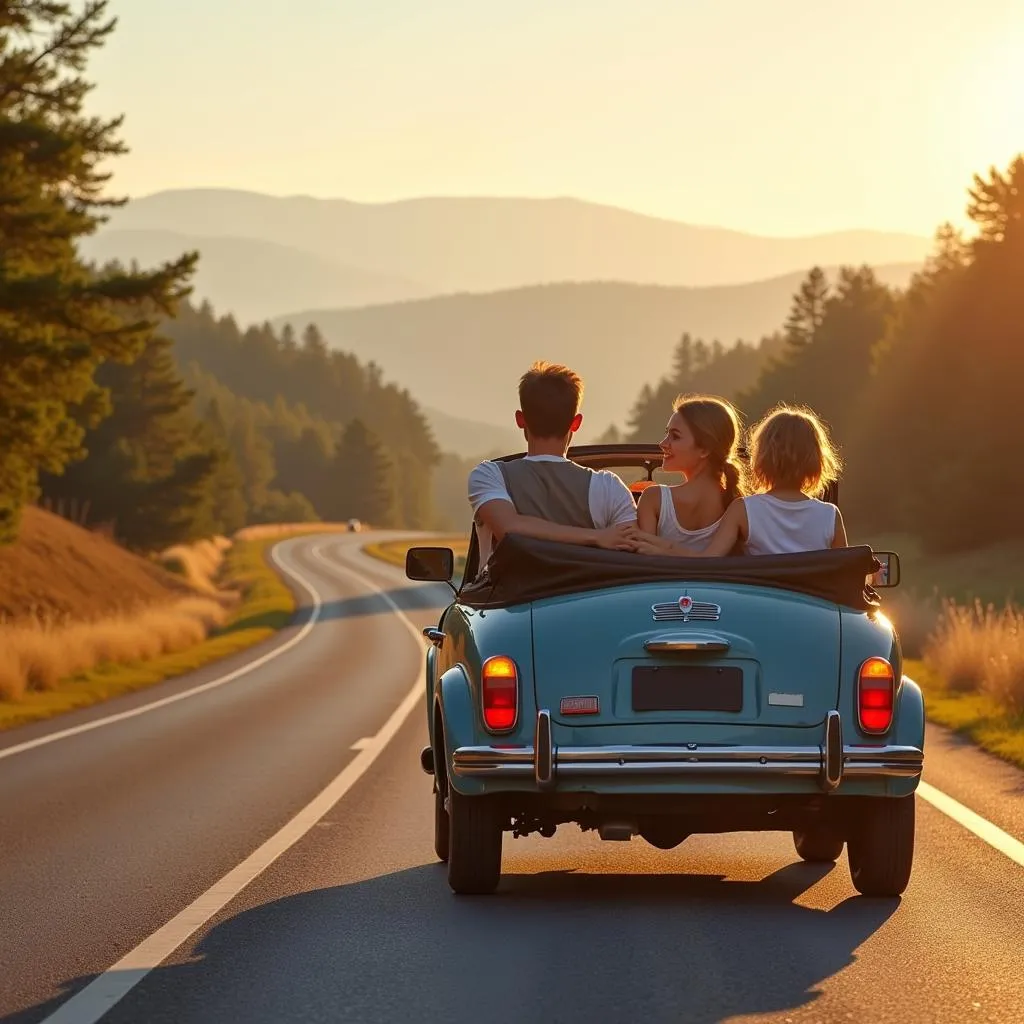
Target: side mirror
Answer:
[[430, 565], [889, 573]]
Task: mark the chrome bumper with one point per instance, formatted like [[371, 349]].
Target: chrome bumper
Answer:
[[829, 762]]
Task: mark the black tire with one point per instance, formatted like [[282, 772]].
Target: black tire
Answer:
[[441, 825], [880, 846], [818, 845], [474, 844]]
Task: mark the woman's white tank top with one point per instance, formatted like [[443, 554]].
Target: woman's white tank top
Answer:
[[776, 527], [668, 524]]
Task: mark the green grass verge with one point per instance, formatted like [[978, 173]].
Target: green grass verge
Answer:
[[974, 715], [267, 606], [393, 551]]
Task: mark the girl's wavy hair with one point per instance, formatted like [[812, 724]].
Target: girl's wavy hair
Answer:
[[715, 426], [790, 447]]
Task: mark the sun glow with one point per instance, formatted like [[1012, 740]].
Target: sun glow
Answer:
[[991, 121]]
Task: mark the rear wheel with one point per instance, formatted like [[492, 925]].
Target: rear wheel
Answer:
[[880, 846], [474, 844], [818, 845], [441, 825]]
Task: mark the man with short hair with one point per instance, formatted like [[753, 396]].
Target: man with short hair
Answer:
[[544, 494]]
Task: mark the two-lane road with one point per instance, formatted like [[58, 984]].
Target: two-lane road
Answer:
[[260, 850]]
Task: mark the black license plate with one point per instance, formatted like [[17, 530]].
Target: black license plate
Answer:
[[687, 688]]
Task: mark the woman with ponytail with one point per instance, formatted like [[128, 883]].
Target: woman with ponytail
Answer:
[[700, 443]]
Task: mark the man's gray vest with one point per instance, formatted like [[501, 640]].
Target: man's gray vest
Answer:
[[556, 491]]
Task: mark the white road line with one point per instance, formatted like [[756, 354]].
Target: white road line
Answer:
[[102, 993], [981, 827], [52, 737]]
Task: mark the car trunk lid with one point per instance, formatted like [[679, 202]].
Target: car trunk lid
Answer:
[[658, 654]]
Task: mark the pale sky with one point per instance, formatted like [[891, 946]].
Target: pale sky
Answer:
[[771, 116]]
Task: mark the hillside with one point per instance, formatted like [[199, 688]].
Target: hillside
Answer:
[[252, 277], [471, 438], [483, 244], [57, 569], [619, 336]]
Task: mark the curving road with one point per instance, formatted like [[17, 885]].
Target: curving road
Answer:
[[259, 850]]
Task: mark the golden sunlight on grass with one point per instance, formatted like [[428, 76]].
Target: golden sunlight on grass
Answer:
[[393, 551], [973, 676], [198, 563], [976, 649], [47, 668], [263, 531], [38, 655]]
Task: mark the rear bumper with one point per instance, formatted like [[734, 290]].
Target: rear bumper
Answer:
[[829, 762]]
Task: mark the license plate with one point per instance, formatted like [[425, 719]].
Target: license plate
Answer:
[[687, 688]]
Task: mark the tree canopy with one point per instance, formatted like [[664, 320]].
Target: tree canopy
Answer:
[[60, 319]]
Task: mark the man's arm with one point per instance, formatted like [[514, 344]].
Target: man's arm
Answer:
[[501, 517]]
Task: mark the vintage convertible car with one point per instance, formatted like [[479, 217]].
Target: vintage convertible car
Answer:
[[663, 697]]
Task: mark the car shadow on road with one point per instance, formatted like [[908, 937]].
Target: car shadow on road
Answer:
[[559, 946]]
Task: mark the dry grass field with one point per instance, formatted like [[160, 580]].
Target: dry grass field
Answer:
[[84, 620]]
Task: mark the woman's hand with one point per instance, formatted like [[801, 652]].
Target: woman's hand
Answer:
[[616, 538]]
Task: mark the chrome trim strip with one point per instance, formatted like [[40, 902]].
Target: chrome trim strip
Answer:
[[699, 611], [684, 644], [862, 762]]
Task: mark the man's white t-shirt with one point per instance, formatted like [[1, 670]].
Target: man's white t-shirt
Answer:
[[610, 501]]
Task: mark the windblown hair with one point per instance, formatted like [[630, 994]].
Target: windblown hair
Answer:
[[549, 396], [791, 448], [715, 426]]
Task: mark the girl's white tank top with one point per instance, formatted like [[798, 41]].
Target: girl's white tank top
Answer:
[[668, 524], [776, 527]]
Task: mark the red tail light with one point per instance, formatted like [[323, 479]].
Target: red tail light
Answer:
[[876, 687], [500, 693]]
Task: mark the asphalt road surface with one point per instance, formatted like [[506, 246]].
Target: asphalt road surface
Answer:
[[154, 868]]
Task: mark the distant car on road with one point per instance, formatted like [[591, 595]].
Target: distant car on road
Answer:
[[354, 526], [664, 697]]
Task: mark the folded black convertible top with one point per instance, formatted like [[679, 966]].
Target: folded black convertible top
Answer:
[[523, 569]]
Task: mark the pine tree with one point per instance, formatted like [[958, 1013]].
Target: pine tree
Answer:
[[254, 456], [997, 204], [228, 511], [59, 319], [682, 362], [363, 476], [808, 309], [147, 468]]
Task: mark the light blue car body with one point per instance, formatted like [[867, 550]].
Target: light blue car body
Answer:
[[454, 673]]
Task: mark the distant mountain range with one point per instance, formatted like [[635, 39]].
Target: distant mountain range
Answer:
[[464, 353], [265, 255], [253, 278]]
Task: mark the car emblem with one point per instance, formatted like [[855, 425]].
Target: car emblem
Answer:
[[686, 609]]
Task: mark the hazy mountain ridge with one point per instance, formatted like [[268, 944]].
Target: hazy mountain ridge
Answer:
[[254, 278], [446, 245], [619, 336]]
